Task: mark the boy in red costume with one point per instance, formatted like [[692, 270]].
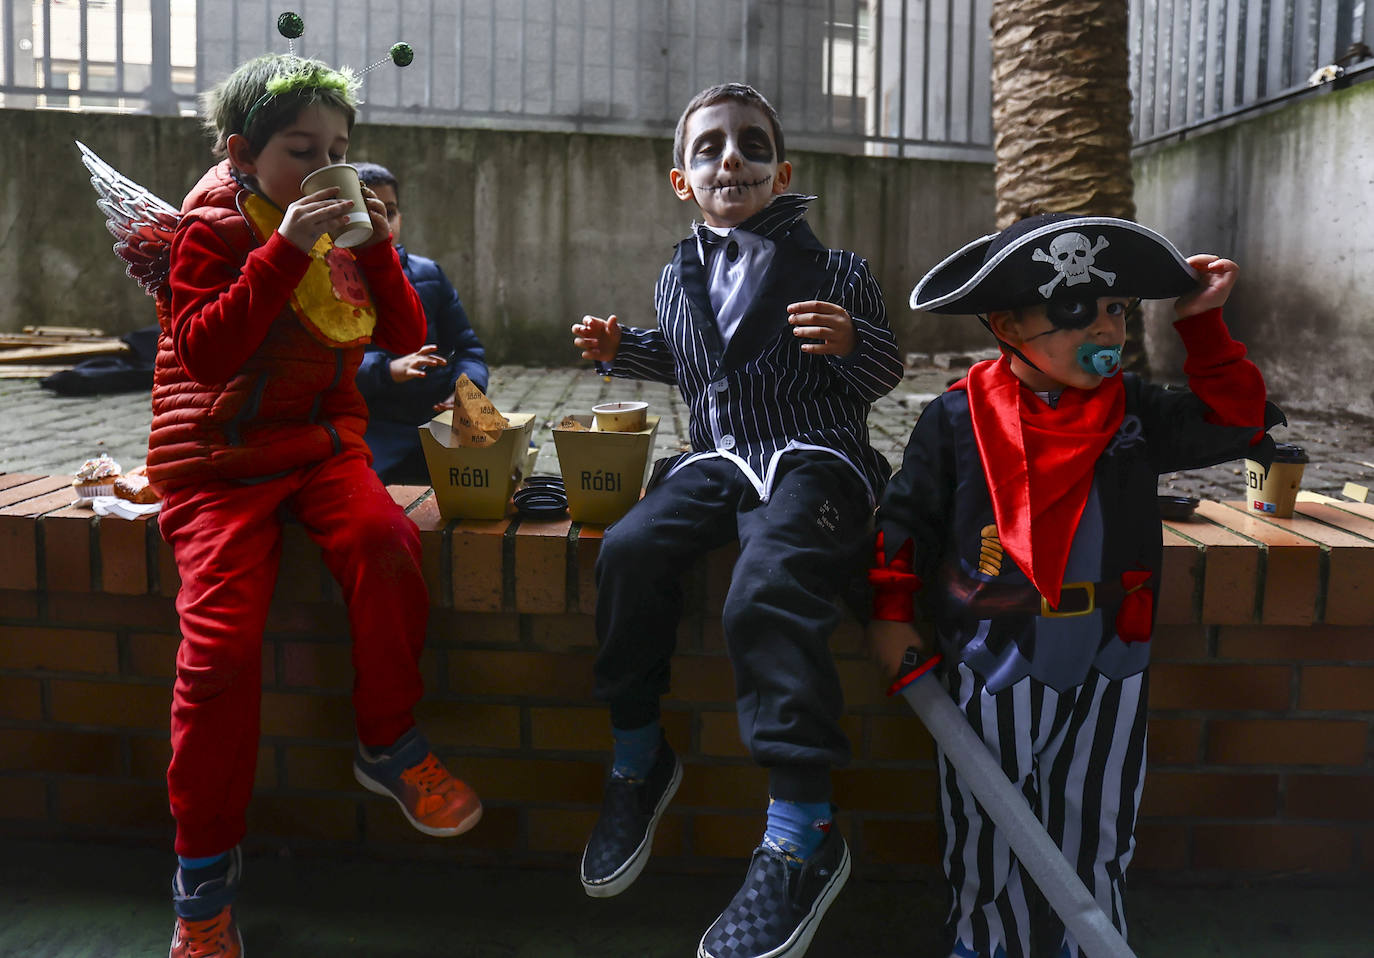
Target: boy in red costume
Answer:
[[1026, 516], [256, 418]]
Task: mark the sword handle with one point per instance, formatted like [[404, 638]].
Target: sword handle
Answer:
[[914, 665]]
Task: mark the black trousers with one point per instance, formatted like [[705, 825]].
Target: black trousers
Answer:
[[797, 551]]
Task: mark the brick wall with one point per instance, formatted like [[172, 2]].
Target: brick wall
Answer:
[[1262, 697]]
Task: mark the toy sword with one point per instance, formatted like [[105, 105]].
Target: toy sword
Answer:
[[1004, 803]]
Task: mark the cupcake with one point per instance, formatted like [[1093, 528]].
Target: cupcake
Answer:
[[96, 477]]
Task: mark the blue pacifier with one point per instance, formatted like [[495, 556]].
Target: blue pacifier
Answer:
[[1100, 360]]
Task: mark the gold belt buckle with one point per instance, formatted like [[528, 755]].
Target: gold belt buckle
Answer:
[[1085, 587]]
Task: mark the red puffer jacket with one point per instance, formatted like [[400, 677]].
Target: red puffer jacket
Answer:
[[242, 390]]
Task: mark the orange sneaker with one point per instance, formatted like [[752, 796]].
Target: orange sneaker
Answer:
[[433, 800], [216, 937]]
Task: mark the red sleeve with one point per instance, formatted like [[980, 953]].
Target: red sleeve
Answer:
[[1219, 374], [400, 316], [221, 310], [893, 583]]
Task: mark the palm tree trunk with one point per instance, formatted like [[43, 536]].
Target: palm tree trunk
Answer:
[[1061, 109]]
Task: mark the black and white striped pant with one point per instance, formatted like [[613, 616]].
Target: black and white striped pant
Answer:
[[1078, 756]]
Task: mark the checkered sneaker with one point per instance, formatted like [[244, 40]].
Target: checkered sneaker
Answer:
[[624, 834], [778, 909]]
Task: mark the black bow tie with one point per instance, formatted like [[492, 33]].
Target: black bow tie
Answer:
[[710, 239]]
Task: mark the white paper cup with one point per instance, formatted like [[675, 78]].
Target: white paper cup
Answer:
[[621, 416], [358, 228]]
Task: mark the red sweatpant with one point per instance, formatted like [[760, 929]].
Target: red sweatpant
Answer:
[[226, 538]]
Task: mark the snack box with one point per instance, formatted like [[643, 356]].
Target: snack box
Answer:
[[476, 482], [603, 472]]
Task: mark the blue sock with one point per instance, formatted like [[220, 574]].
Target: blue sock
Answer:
[[635, 751], [199, 864], [796, 828]]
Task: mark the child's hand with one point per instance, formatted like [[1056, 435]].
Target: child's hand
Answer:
[[444, 405], [888, 642], [829, 323], [376, 209], [598, 338], [310, 217], [1218, 276], [416, 364]]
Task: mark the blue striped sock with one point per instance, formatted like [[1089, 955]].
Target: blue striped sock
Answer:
[[796, 828]]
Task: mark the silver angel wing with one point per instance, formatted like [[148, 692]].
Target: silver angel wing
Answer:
[[141, 223]]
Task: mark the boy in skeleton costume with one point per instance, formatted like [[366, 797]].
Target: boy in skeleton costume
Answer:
[[1025, 514], [779, 346]]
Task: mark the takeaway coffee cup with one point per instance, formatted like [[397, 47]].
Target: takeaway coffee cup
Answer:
[[621, 416], [1273, 491], [343, 175]]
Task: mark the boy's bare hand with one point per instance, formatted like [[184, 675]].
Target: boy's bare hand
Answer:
[[888, 642], [1218, 276], [598, 338], [827, 322], [310, 217], [376, 210], [416, 364]]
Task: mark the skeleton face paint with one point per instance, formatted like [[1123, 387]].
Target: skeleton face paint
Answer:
[[732, 166]]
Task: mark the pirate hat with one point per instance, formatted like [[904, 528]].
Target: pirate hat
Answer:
[[1055, 256]]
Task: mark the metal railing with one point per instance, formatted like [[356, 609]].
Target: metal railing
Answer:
[[891, 77]]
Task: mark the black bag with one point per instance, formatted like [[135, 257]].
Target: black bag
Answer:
[[131, 372]]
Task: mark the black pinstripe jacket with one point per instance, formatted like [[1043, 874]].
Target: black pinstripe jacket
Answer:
[[762, 395]]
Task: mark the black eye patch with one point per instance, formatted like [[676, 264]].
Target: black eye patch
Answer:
[[1071, 313]]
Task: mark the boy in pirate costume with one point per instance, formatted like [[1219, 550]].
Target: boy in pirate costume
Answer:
[[779, 347], [1025, 517], [256, 416]]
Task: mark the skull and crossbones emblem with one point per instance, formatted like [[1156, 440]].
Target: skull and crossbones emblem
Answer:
[[1072, 258]]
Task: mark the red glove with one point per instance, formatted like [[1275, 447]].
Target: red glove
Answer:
[[893, 583]]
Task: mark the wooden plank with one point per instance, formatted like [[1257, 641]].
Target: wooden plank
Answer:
[[64, 351], [20, 371], [37, 339], [64, 331], [1230, 571]]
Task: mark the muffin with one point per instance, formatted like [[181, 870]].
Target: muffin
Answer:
[[96, 477]]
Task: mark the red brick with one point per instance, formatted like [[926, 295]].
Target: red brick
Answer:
[[1178, 643], [702, 678], [723, 786], [168, 578], [20, 698], [58, 650], [1205, 795], [298, 816], [862, 683], [314, 618], [130, 611], [301, 571], [899, 738], [563, 633], [1350, 560], [720, 734], [588, 548], [1296, 643], [19, 547], [541, 566], [1161, 847], [453, 629], [719, 568], [726, 835], [50, 750], [426, 517], [886, 789], [478, 583], [536, 675], [319, 768], [67, 550], [571, 729], [1180, 578], [561, 830], [1348, 688], [18, 605], [153, 654], [1315, 849], [1286, 742], [298, 715], [317, 665], [1230, 572], [23, 798], [123, 555], [1174, 741], [1220, 687], [525, 779], [113, 704], [113, 804], [1343, 797], [898, 842], [149, 757], [1292, 563], [466, 725]]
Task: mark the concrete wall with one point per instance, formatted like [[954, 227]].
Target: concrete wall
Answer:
[[1290, 197], [534, 228]]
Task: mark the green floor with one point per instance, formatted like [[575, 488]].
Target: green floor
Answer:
[[94, 900]]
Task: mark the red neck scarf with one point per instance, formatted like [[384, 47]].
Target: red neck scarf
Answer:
[[1039, 462]]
